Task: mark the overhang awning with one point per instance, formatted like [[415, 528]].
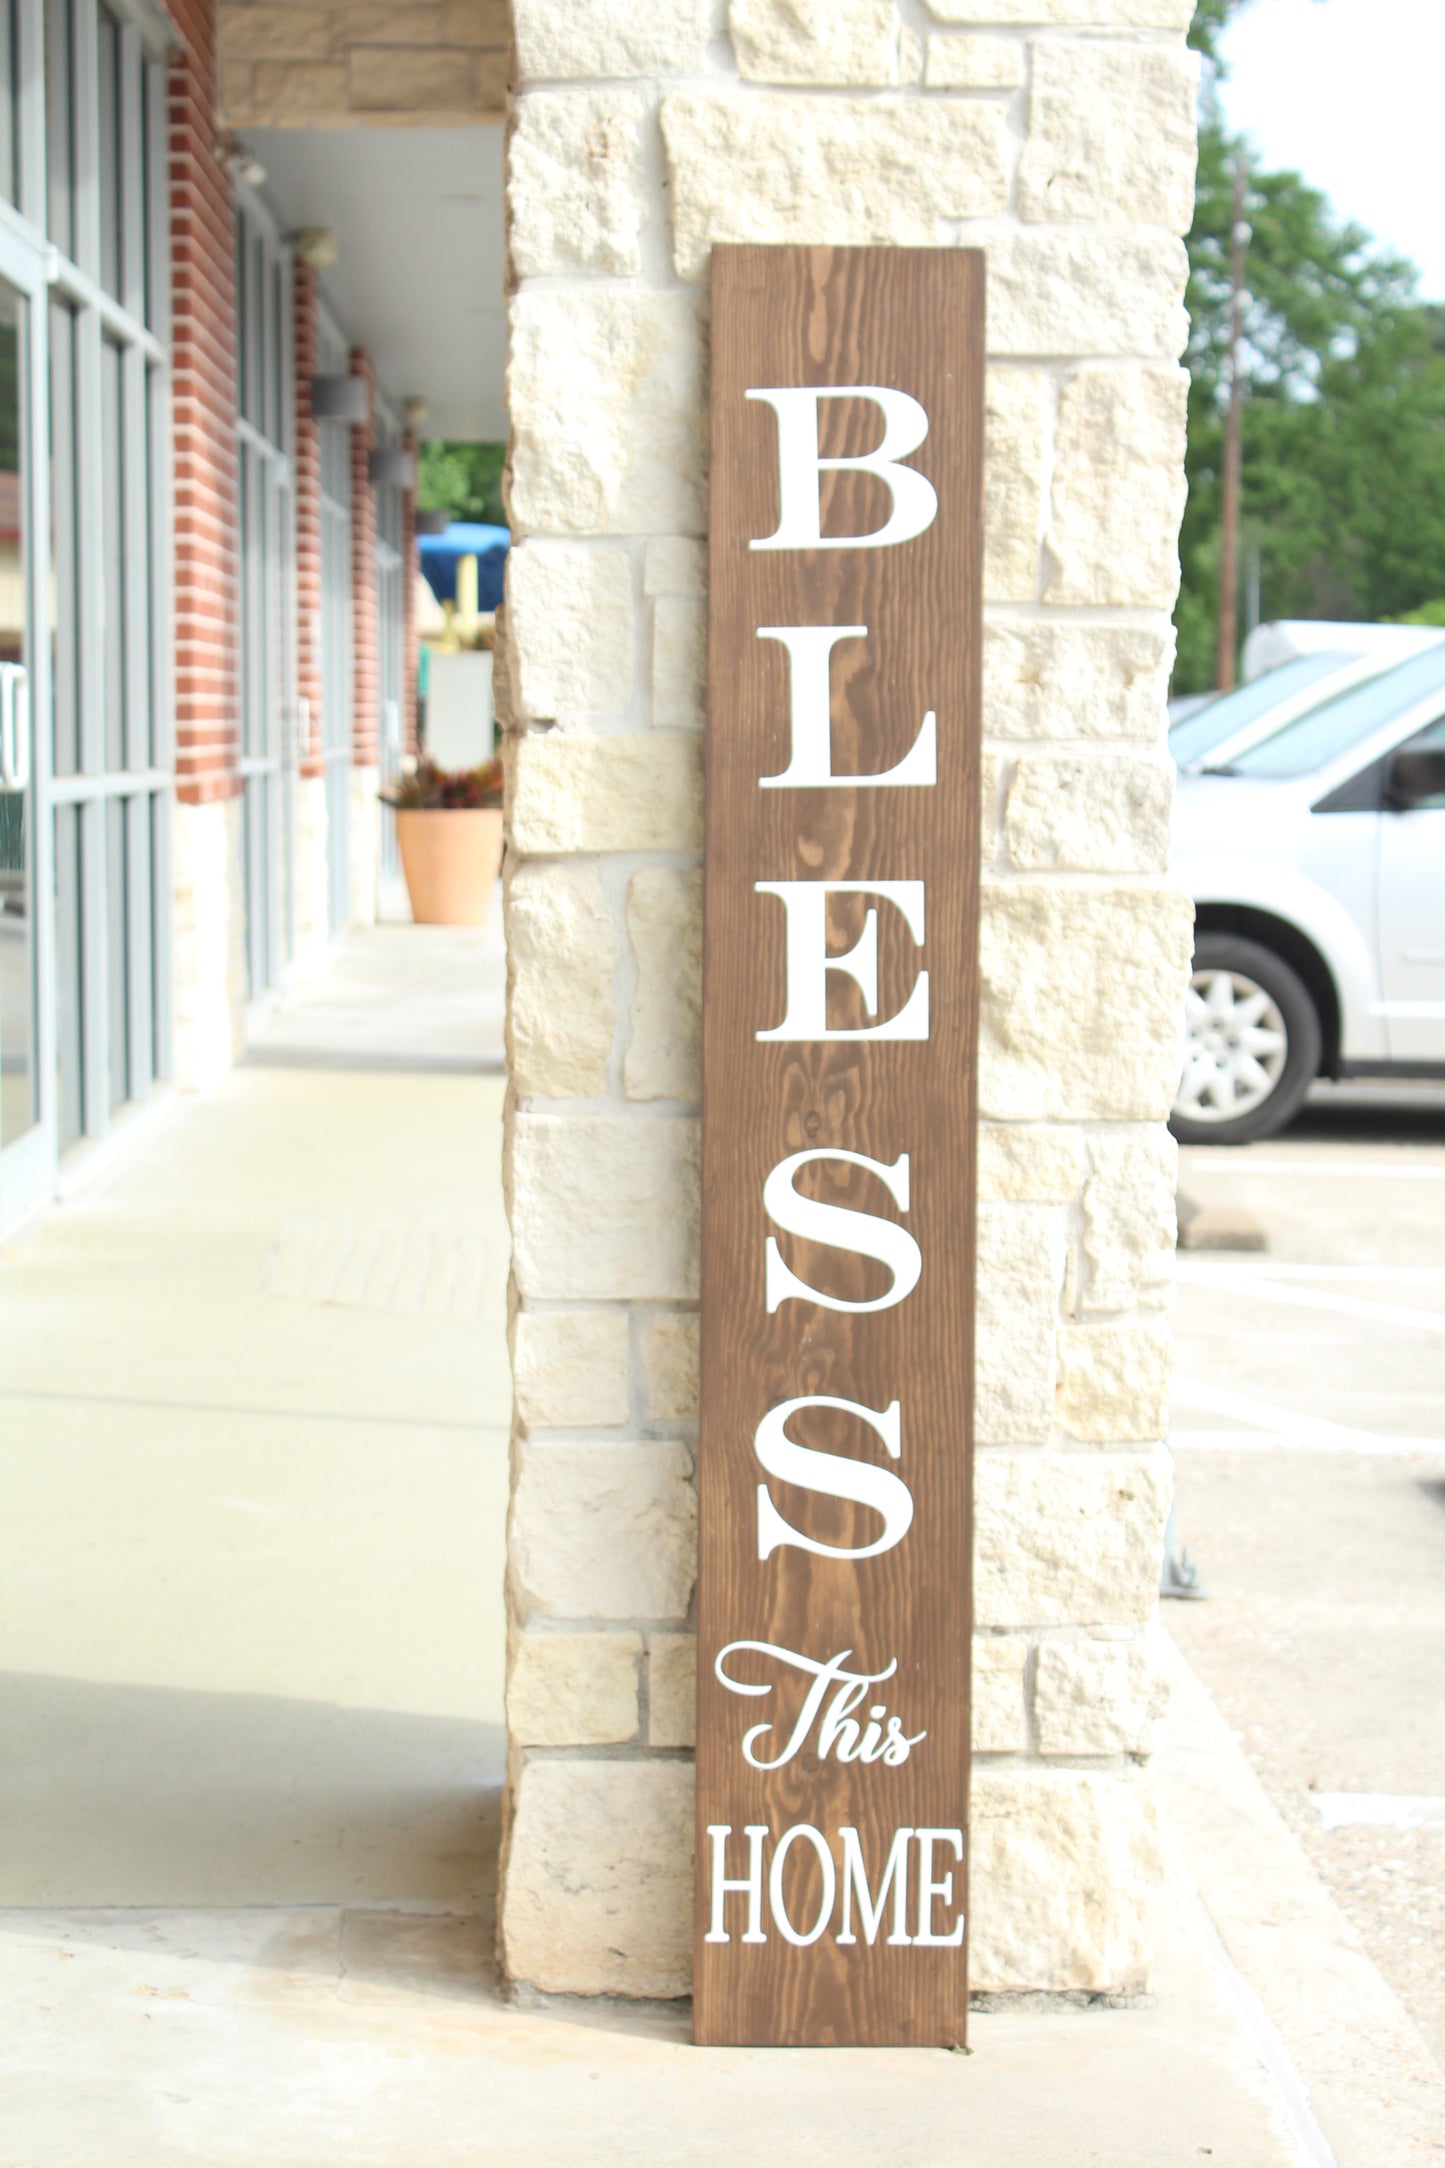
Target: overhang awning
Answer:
[[441, 554]]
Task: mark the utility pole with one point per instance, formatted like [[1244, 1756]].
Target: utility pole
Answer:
[[1233, 421]]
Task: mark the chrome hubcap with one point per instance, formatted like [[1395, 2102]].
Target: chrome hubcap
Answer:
[[1235, 1047]]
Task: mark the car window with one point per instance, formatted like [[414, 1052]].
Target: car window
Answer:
[[1209, 726], [1321, 733]]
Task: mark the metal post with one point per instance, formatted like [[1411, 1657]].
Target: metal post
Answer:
[[1233, 430]]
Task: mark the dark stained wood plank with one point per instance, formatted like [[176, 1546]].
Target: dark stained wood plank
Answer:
[[911, 320]]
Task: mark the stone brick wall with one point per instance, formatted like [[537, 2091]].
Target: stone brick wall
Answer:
[[1058, 135], [208, 957], [312, 914], [203, 400], [411, 630], [320, 63], [365, 717], [364, 825]]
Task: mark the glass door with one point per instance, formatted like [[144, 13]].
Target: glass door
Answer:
[[27, 1052]]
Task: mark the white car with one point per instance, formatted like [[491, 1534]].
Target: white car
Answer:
[[1316, 859], [1230, 723]]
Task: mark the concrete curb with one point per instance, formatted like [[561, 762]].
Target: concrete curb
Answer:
[[1372, 2090]]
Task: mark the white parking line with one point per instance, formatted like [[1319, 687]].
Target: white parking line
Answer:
[[1231, 1280], [1379, 1810], [1382, 1172], [1200, 1268], [1393, 1445], [1277, 1429]]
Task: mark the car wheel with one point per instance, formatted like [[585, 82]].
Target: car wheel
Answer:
[[1251, 1044]]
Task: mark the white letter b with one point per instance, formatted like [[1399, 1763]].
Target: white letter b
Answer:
[[800, 468]]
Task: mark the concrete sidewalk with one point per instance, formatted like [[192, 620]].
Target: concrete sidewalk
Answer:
[[255, 1405]]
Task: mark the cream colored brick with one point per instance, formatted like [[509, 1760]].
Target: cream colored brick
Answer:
[[1076, 14], [664, 924], [669, 1366], [1111, 133], [236, 80], [474, 22], [1099, 1697], [999, 1725], [414, 79], [815, 41], [570, 39], [597, 1898], [1090, 812], [573, 1689], [911, 53], [561, 955], [604, 1208], [569, 1368], [1076, 681], [1099, 290], [603, 1530], [679, 662], [975, 64], [675, 565], [990, 810], [1020, 1274], [825, 170], [576, 195], [672, 1689], [1015, 433], [1083, 991], [1065, 1880], [570, 627], [1130, 1226], [287, 92], [380, 22], [1118, 494], [616, 793], [1028, 1166], [274, 33], [608, 418], [1068, 1539], [1114, 1381]]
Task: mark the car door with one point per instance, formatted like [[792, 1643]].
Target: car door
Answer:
[[1412, 923]]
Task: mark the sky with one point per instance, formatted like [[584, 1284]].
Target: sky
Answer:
[[1349, 93]]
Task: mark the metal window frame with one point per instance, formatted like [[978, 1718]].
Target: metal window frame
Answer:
[[266, 590], [27, 1163], [137, 323]]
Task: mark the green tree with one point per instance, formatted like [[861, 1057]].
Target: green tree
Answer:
[[462, 479], [1344, 423]]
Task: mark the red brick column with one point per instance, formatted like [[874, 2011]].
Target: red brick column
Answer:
[[203, 346], [411, 635], [365, 703], [306, 484]]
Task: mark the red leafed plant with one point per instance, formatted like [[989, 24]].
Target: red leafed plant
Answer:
[[428, 788]]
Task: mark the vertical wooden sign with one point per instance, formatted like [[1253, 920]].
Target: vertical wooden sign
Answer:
[[839, 1039]]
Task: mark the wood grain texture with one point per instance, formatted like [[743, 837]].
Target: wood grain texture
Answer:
[[911, 319]]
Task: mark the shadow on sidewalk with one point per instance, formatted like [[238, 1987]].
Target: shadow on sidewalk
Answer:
[[158, 1797]]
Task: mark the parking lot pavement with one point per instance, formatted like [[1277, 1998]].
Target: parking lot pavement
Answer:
[[1309, 1433]]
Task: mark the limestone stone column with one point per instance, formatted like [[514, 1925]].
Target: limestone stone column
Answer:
[[1059, 136]]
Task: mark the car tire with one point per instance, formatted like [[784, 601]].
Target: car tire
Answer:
[[1252, 1044]]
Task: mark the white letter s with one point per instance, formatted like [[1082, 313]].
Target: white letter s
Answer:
[[866, 1233], [831, 1475]]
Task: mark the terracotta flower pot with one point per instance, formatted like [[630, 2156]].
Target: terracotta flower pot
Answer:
[[450, 857]]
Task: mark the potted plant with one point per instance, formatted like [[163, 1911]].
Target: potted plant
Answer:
[[449, 832]]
